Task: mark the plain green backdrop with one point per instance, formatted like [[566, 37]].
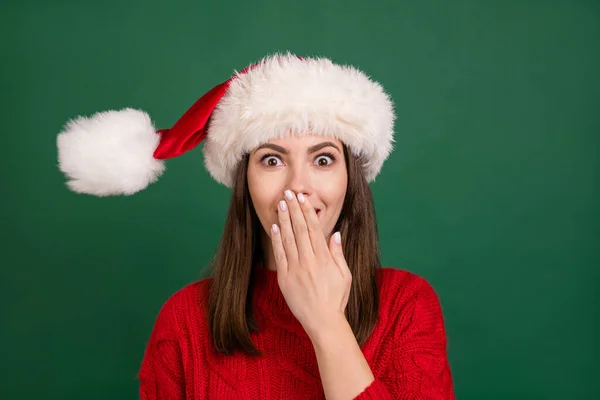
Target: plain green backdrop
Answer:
[[491, 193]]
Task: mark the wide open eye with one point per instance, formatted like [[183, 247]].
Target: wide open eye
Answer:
[[270, 160], [325, 159]]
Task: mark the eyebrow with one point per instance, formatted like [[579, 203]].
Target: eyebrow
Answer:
[[283, 150]]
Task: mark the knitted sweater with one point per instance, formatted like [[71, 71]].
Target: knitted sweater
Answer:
[[406, 351]]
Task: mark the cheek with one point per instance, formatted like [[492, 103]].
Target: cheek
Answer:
[[333, 192], [264, 197]]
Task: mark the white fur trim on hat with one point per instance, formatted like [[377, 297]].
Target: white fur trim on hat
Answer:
[[109, 153], [286, 95]]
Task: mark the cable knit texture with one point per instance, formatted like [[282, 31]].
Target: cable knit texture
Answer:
[[406, 351]]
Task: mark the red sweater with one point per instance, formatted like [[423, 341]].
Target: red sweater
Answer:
[[406, 351]]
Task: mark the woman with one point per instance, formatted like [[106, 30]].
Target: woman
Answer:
[[298, 306]]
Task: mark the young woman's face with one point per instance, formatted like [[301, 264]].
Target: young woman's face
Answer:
[[312, 165]]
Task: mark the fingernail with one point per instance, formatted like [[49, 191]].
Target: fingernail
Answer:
[[301, 198], [337, 237], [289, 195], [282, 205], [275, 229]]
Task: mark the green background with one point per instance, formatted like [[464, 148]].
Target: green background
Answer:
[[491, 193]]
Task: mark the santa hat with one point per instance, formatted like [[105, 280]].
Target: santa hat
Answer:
[[121, 152]]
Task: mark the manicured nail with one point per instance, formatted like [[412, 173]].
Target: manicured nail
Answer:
[[301, 198], [337, 238], [275, 229], [282, 205], [289, 195]]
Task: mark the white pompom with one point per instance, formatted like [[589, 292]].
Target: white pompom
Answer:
[[109, 153]]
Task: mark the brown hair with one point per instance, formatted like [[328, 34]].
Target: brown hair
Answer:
[[230, 314]]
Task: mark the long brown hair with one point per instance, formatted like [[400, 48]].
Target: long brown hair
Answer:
[[230, 311]]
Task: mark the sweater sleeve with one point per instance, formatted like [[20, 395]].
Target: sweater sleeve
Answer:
[[161, 373], [418, 368]]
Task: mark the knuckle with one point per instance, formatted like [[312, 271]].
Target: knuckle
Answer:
[[289, 241], [301, 229], [312, 230], [279, 257]]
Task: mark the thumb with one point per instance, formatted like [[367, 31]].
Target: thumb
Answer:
[[337, 253], [335, 248]]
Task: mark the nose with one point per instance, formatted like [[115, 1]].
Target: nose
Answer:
[[300, 180]]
